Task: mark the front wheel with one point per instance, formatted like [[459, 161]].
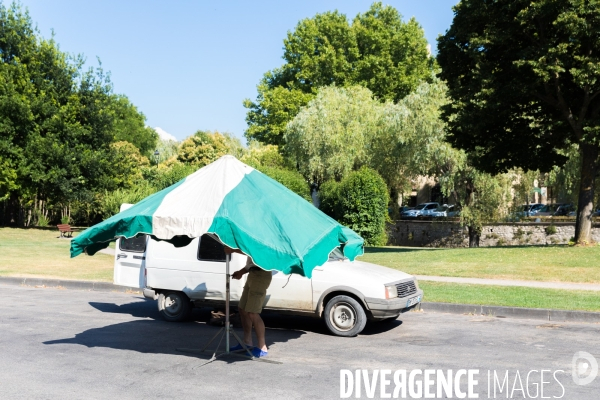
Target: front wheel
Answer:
[[344, 316], [174, 306]]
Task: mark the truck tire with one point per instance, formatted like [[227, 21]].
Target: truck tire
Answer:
[[344, 316], [174, 306]]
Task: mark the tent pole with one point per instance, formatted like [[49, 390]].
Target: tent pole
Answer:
[[227, 281], [227, 330]]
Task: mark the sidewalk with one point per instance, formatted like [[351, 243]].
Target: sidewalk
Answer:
[[503, 282]]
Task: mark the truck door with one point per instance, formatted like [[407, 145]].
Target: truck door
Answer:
[[130, 262], [290, 292]]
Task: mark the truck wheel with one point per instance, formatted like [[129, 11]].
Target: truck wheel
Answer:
[[344, 316], [174, 306]]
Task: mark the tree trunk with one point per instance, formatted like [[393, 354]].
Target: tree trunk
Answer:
[[473, 237], [585, 205]]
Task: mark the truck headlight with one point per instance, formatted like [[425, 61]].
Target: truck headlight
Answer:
[[391, 292]]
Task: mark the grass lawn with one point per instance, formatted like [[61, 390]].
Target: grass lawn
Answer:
[[537, 263], [40, 253], [510, 296]]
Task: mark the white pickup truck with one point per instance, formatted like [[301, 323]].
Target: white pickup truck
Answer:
[[344, 293]]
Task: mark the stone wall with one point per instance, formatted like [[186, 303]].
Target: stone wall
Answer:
[[451, 234]]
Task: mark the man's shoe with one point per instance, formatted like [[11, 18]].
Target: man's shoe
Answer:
[[258, 353]]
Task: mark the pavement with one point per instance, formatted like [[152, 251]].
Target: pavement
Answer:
[[72, 344], [508, 282]]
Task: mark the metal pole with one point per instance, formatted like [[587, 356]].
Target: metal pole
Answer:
[[227, 279]]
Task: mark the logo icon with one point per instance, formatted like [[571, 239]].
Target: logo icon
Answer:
[[585, 368]]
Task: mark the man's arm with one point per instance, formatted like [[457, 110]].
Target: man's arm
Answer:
[[238, 274]]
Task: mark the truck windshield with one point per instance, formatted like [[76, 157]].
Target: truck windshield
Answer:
[[336, 255]]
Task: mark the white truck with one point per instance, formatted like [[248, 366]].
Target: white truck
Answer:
[[344, 293]]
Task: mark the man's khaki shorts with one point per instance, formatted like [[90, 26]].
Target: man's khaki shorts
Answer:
[[255, 291]]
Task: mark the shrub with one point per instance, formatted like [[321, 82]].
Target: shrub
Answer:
[[290, 179], [329, 199], [359, 201], [111, 202], [550, 230], [42, 220], [518, 233]]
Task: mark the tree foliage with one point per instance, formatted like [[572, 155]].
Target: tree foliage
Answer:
[[377, 50], [203, 147], [523, 77], [57, 125], [343, 129], [481, 197]]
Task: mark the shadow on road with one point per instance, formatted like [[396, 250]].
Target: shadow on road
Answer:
[[155, 336]]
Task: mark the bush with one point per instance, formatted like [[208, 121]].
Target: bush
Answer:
[[288, 178], [550, 230], [359, 201], [111, 202], [329, 197]]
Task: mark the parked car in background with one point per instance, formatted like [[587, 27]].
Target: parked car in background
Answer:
[[446, 211], [528, 210], [422, 210], [555, 210], [405, 208], [564, 210]]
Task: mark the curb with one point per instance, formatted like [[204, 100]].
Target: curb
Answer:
[[513, 312], [449, 308], [68, 284]]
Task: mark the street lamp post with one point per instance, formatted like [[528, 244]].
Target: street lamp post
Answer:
[[156, 156]]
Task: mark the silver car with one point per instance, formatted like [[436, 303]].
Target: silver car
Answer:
[[422, 210]]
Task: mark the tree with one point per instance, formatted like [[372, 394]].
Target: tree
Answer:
[[128, 164], [481, 197], [378, 51], [202, 148], [130, 126], [267, 155], [328, 139], [523, 77], [343, 129], [57, 124]]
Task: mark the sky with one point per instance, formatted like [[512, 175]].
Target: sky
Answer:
[[188, 65]]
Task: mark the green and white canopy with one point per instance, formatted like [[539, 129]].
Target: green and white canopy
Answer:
[[246, 209]]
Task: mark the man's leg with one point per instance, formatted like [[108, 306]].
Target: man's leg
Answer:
[[246, 326], [259, 328]]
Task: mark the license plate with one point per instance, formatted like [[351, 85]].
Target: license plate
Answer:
[[413, 301]]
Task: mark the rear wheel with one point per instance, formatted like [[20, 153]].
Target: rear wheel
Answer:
[[344, 316], [174, 306]]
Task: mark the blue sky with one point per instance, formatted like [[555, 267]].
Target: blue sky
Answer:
[[188, 65]]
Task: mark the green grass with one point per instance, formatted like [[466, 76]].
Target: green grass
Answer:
[[510, 296], [40, 253], [536, 263]]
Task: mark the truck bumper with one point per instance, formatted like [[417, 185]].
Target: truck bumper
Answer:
[[150, 294], [382, 308]]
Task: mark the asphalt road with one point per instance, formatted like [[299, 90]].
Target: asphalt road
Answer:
[[69, 344]]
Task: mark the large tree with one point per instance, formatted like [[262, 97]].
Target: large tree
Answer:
[[377, 50], [524, 80], [57, 124], [343, 129]]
